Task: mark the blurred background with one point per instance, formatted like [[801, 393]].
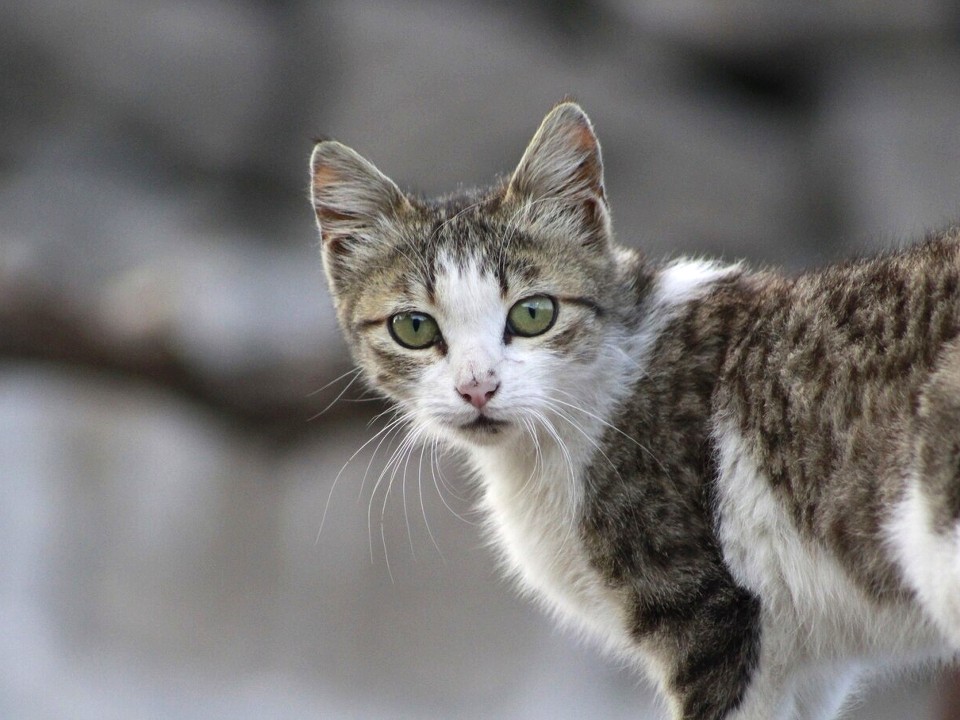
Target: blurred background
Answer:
[[168, 349]]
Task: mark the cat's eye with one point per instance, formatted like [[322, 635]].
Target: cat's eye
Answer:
[[532, 316], [414, 330]]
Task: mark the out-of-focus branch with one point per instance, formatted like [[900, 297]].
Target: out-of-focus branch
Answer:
[[39, 324]]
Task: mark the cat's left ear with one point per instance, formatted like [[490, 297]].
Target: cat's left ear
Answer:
[[559, 180]]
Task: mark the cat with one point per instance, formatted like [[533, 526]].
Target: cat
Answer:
[[745, 484]]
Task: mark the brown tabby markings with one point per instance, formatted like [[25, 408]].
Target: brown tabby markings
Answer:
[[827, 377]]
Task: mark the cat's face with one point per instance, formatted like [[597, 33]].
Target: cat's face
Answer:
[[483, 316]]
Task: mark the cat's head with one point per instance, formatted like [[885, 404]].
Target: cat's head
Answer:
[[486, 313]]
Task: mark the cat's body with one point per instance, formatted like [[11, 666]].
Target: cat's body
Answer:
[[749, 485]]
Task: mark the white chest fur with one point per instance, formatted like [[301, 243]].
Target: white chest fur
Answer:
[[534, 510]]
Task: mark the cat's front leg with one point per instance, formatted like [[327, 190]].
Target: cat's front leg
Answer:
[[777, 687], [719, 657], [770, 692], [769, 696]]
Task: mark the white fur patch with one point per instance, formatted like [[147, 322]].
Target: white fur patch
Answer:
[[929, 560], [685, 279]]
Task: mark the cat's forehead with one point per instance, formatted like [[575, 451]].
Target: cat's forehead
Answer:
[[480, 265], [476, 253], [468, 276], [454, 242], [463, 233], [469, 290]]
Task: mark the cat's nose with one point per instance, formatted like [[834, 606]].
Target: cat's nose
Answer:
[[478, 392]]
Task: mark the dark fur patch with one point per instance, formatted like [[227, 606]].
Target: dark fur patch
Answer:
[[650, 522]]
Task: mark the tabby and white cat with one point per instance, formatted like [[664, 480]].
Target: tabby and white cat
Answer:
[[744, 483]]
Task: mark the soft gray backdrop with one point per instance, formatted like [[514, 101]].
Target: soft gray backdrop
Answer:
[[165, 330]]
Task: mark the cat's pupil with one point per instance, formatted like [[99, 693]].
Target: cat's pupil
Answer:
[[532, 309], [416, 323]]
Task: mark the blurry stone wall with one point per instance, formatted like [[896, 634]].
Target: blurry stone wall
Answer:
[[166, 341]]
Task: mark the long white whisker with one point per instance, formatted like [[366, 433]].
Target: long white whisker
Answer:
[[403, 494], [392, 466], [373, 495], [334, 401], [391, 425], [392, 409], [437, 448], [561, 445], [436, 473], [537, 458], [395, 426], [571, 488], [423, 448], [354, 371], [563, 416], [607, 424]]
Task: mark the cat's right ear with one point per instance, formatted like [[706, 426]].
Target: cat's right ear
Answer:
[[354, 202]]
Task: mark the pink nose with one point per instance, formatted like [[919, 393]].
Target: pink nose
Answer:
[[478, 392]]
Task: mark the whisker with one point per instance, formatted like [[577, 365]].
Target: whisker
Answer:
[[423, 509], [537, 458], [435, 472], [333, 486], [439, 447], [394, 409], [570, 521], [563, 416], [609, 425], [396, 458], [354, 371], [403, 495], [373, 495], [334, 401], [561, 445], [395, 425]]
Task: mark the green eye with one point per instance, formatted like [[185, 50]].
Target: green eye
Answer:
[[414, 330], [532, 316]]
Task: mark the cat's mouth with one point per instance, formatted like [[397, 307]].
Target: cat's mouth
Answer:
[[484, 424]]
